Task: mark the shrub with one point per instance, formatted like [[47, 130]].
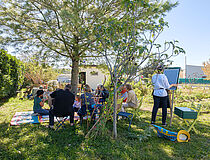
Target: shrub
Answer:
[[11, 74]]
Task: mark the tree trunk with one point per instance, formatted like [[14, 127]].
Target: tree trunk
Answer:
[[115, 113], [74, 74]]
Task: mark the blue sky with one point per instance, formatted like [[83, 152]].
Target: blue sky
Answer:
[[189, 23]]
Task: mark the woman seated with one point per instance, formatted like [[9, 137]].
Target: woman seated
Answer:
[[132, 101], [102, 93], [87, 103], [39, 103]]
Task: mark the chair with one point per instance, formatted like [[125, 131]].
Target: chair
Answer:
[[61, 121], [189, 116], [127, 115], [124, 114], [61, 118]]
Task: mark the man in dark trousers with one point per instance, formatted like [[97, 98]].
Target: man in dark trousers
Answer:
[[62, 101]]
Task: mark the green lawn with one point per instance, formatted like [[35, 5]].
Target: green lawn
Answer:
[[34, 141]]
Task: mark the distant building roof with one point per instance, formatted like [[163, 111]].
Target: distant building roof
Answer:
[[193, 71]]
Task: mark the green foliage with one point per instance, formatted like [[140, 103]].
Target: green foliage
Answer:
[[58, 30], [38, 74], [100, 127], [11, 74], [144, 136], [206, 68], [140, 89], [128, 42]]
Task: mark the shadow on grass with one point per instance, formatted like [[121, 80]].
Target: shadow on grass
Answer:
[[7, 99], [3, 101], [34, 141]]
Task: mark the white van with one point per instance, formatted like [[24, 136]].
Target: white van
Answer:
[[64, 78]]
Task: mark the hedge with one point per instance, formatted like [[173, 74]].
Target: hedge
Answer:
[[11, 74], [194, 80]]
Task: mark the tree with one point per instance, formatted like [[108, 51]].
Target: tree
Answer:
[[152, 64], [55, 28], [39, 74], [206, 68], [11, 74], [128, 42]]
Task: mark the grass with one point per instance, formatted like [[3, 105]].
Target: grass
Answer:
[[34, 141]]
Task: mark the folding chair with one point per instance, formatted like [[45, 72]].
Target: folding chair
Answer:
[[61, 118], [127, 115], [61, 121], [124, 114], [189, 116]]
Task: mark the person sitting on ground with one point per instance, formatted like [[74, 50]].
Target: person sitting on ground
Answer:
[[62, 105], [87, 103], [39, 103], [132, 101]]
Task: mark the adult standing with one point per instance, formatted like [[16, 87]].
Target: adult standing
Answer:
[[63, 101], [39, 103], [132, 101], [160, 95]]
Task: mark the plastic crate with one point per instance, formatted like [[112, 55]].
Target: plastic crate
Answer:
[[185, 113]]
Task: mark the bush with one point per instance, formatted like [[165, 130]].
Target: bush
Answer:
[[11, 74]]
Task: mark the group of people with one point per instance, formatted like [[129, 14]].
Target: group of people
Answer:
[[129, 97], [160, 95], [60, 102], [63, 102]]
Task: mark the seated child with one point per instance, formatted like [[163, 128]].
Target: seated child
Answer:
[[77, 103]]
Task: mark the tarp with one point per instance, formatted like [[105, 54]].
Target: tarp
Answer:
[[29, 117]]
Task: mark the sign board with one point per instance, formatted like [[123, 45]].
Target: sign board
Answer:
[[172, 73]]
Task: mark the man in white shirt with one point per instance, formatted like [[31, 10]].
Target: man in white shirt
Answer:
[[160, 83]]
